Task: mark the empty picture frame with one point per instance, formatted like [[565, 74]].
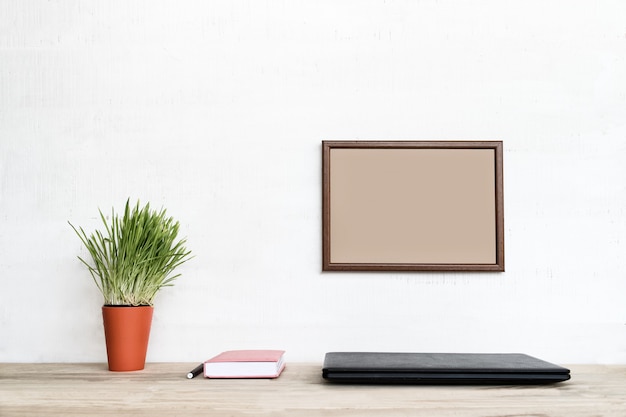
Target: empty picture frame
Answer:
[[412, 206]]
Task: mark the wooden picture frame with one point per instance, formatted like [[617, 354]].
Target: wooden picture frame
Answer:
[[412, 206]]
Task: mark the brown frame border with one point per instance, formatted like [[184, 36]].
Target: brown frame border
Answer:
[[497, 146]]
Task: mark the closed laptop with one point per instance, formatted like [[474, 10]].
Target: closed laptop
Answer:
[[440, 368]]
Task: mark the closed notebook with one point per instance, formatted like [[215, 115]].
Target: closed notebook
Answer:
[[440, 368], [245, 364]]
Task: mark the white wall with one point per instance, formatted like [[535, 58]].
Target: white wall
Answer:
[[216, 110]]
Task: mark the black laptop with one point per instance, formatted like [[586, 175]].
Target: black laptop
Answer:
[[440, 368]]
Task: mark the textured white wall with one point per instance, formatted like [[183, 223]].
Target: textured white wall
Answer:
[[216, 110]]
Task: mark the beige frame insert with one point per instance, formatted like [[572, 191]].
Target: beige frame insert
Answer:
[[412, 206]]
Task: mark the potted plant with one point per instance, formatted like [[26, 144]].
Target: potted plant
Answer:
[[133, 258]]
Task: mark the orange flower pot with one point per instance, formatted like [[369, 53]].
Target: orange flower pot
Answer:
[[126, 331]]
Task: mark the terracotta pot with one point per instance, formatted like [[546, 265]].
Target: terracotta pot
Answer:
[[127, 330]]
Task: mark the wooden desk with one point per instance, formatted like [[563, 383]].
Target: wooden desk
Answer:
[[162, 390]]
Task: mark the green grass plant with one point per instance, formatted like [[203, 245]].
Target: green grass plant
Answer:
[[135, 255]]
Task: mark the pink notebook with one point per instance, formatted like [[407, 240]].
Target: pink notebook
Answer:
[[262, 363]]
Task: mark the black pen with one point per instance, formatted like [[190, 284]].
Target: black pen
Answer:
[[196, 371]]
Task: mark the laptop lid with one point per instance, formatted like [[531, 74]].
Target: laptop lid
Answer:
[[440, 368]]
